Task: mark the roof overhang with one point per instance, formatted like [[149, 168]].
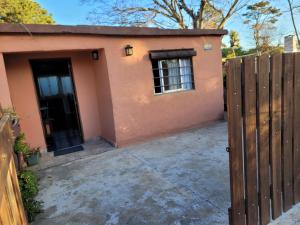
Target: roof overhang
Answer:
[[35, 29]]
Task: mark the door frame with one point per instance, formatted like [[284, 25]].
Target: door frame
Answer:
[[37, 95]]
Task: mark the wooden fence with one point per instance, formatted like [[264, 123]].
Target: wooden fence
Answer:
[[264, 136], [11, 206]]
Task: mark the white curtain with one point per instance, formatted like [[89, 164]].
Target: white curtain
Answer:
[[48, 86], [66, 85], [174, 74], [186, 73]]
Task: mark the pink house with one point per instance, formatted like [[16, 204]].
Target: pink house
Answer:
[[70, 84]]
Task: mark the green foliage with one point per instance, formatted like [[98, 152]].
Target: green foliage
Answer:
[[227, 53], [21, 146], [230, 53], [260, 10], [29, 189], [234, 49], [33, 208], [234, 39], [261, 17], [24, 11], [28, 184]]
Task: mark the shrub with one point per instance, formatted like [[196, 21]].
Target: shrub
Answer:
[[21, 146], [29, 189]]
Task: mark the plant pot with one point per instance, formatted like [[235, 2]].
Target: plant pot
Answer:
[[33, 159]]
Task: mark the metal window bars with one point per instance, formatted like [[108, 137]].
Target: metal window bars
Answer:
[[175, 84], [172, 67], [178, 85]]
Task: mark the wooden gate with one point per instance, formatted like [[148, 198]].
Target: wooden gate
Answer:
[[264, 136], [11, 206]]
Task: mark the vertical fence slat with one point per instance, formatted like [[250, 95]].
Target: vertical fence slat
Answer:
[[276, 93], [287, 145], [297, 128], [249, 120], [263, 137], [234, 99]]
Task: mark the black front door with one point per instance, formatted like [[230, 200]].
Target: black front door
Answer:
[[58, 104]]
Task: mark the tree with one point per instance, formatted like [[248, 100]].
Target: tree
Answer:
[[291, 9], [261, 17], [234, 39], [23, 11], [234, 48], [234, 42], [166, 13]]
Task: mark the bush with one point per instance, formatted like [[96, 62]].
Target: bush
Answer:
[[21, 146], [29, 189]]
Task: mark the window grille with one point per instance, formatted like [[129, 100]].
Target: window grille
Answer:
[[172, 75]]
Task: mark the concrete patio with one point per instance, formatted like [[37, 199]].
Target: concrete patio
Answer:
[[176, 180], [181, 179]]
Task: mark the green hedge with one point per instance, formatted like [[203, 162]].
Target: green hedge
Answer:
[[29, 189]]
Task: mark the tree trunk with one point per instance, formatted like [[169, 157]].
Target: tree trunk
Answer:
[[195, 24], [256, 38], [293, 20]]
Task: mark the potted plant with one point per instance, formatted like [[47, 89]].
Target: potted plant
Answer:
[[33, 157]]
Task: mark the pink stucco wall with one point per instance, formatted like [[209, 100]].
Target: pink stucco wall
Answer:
[[115, 94], [23, 93], [104, 98], [5, 99], [138, 113], [23, 98]]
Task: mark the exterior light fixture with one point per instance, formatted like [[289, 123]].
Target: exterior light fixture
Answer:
[[128, 50], [95, 55]]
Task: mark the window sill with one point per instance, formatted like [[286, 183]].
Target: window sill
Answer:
[[173, 92]]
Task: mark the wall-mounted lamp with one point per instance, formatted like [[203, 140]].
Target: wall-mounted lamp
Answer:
[[95, 55], [128, 50]]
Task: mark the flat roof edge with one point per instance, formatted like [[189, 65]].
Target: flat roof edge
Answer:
[[40, 29]]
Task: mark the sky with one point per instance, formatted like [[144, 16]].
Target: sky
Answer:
[[73, 12]]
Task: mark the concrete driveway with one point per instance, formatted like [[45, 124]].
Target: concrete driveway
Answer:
[[181, 179]]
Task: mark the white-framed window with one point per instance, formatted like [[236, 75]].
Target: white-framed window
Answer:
[[171, 75]]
